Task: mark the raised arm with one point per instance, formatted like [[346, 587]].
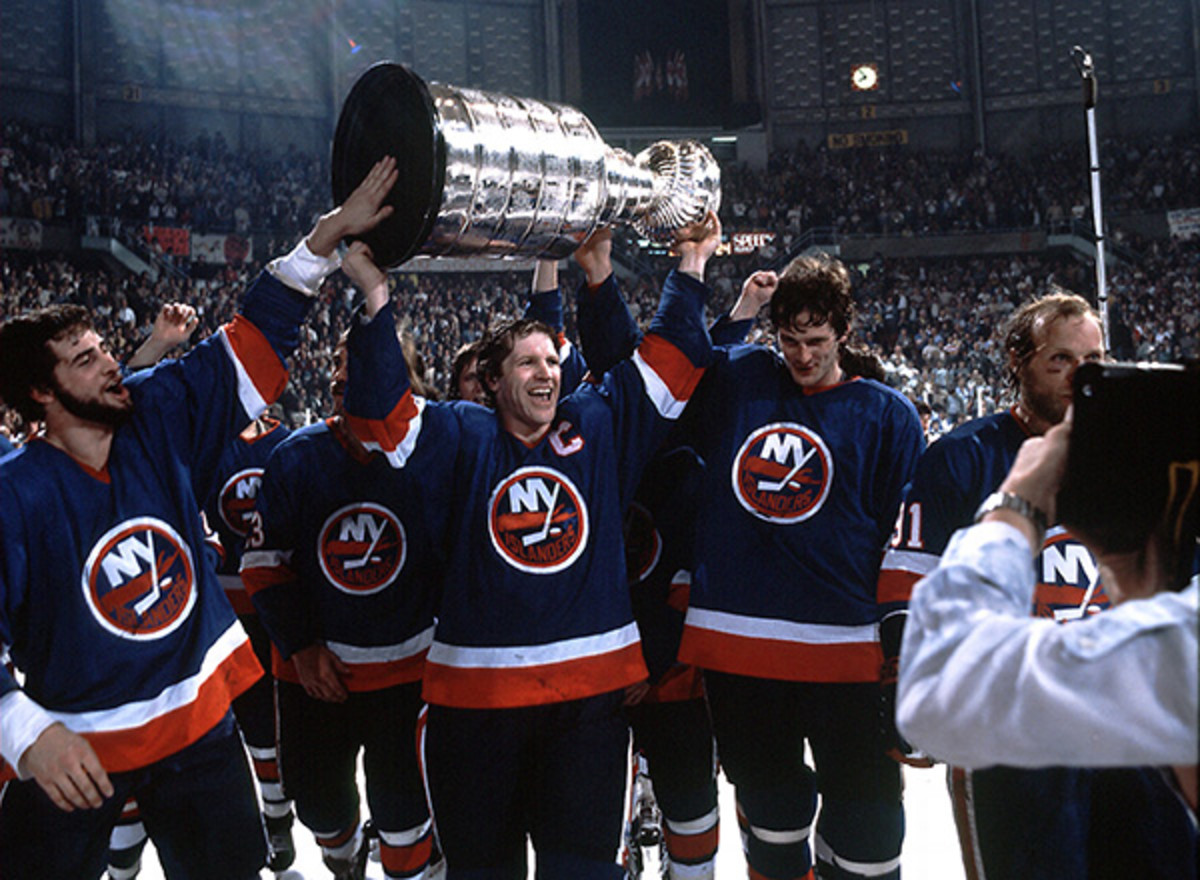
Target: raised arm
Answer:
[[757, 290], [174, 325], [359, 266], [607, 331], [545, 304]]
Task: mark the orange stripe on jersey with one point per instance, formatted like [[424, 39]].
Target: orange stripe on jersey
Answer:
[[679, 594], [131, 748], [678, 683], [895, 586], [405, 860], [386, 434], [262, 577], [784, 661], [672, 366], [258, 359], [363, 676], [283, 670], [377, 676], [509, 687], [692, 848]]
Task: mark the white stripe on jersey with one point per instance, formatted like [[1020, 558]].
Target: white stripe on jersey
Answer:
[[182, 693], [667, 404], [781, 630], [252, 402], [516, 657], [382, 653]]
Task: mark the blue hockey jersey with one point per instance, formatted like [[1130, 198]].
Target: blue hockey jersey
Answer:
[[108, 602], [229, 509], [952, 479], [345, 552], [536, 606], [801, 494]]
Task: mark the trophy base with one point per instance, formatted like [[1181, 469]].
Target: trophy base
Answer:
[[390, 112]]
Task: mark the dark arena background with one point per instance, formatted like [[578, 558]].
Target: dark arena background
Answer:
[[154, 151]]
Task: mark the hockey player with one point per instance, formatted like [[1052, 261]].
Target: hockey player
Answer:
[[130, 654], [464, 374], [804, 469], [230, 511], [173, 326], [675, 788], [1045, 340], [535, 640], [343, 566]]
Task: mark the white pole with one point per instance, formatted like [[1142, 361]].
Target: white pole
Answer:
[[1083, 63]]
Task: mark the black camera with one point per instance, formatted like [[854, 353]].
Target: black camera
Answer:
[[1133, 461]]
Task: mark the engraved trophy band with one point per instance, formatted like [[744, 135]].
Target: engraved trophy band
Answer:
[[482, 173]]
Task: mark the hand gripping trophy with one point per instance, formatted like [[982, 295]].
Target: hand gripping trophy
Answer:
[[487, 174]]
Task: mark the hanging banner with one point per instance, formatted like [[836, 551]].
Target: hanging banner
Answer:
[[894, 138], [1184, 223], [749, 242], [222, 250], [171, 240]]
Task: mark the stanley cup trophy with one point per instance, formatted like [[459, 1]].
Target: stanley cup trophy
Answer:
[[481, 173]]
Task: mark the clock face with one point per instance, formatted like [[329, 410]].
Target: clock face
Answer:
[[864, 77]]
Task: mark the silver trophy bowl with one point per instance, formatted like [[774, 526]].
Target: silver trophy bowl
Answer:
[[487, 174]]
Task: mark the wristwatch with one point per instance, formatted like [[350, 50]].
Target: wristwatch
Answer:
[[1015, 503]]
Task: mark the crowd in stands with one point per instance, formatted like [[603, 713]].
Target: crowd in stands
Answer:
[[934, 323], [203, 185], [208, 186], [899, 192]]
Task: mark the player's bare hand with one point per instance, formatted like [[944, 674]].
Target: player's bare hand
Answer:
[[696, 243], [359, 266], [64, 764], [362, 211], [174, 324], [321, 673], [1039, 467], [757, 291], [594, 256]]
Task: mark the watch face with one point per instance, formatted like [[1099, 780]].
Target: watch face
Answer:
[[864, 77]]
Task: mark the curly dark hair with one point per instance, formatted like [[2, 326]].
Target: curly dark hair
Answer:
[[818, 284], [26, 361]]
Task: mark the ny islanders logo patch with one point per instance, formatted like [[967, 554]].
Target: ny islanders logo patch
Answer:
[[362, 548], [139, 580], [782, 473], [236, 501], [1068, 585], [537, 520]]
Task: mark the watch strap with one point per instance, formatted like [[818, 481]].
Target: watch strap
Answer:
[[1015, 503]]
